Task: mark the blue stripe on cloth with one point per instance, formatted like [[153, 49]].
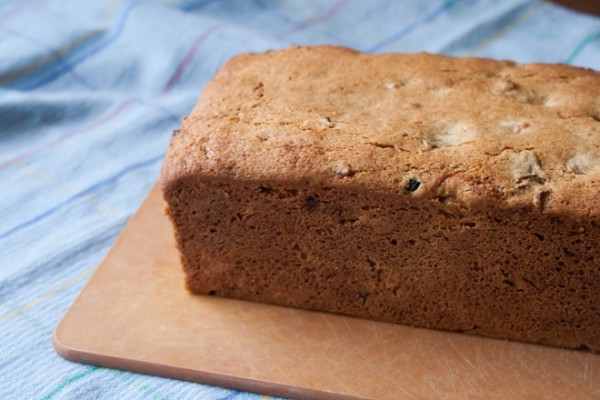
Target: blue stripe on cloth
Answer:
[[477, 35], [54, 71], [230, 396], [195, 6], [410, 28], [90, 189], [70, 381], [45, 271], [60, 60], [582, 45]]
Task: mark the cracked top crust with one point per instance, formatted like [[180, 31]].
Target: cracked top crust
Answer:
[[472, 133]]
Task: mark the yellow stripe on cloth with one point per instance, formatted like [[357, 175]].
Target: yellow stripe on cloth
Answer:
[[61, 51], [501, 32], [18, 311], [67, 188]]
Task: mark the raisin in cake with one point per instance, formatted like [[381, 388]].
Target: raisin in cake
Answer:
[[451, 193]]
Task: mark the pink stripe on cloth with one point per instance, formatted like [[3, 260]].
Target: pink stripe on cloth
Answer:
[[188, 58], [318, 18], [122, 107]]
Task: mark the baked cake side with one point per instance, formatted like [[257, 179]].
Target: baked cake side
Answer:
[[450, 193]]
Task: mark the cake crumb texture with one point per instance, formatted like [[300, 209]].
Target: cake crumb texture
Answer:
[[450, 193]]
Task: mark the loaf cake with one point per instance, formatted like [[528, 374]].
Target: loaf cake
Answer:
[[460, 194]]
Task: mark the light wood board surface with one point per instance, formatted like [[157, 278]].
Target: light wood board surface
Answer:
[[135, 315]]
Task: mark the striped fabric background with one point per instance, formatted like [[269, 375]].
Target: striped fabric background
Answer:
[[89, 93]]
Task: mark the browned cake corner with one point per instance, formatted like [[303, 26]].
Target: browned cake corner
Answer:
[[458, 194]]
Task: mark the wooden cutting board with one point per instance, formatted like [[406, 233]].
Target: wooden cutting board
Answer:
[[135, 315]]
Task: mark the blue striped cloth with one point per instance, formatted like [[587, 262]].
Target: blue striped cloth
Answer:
[[89, 93]]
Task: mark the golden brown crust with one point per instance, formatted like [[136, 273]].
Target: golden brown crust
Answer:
[[311, 111], [508, 151]]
